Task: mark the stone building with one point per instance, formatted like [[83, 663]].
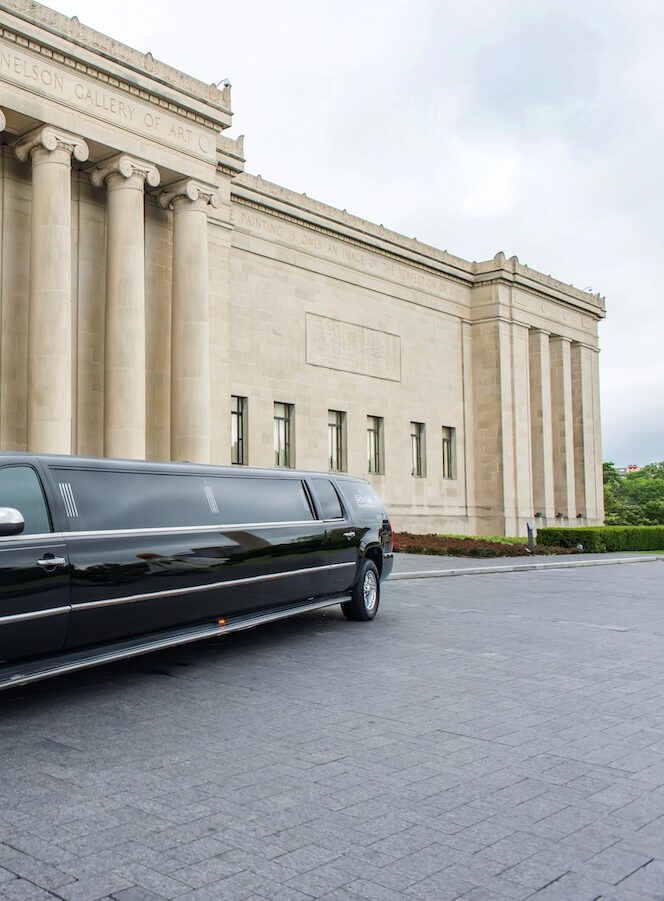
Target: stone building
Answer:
[[158, 301]]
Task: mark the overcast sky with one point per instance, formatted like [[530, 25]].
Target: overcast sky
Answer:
[[536, 128]]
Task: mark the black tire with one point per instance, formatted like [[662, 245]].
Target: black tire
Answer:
[[364, 604]]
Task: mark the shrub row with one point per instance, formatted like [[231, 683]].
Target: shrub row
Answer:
[[468, 546], [604, 538]]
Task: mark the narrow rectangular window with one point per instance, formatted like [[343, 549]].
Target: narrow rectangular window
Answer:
[[336, 440], [238, 429], [449, 452], [283, 435], [418, 449], [375, 443]]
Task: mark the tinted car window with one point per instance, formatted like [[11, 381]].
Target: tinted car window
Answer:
[[363, 499], [21, 489], [109, 499], [254, 500], [328, 499]]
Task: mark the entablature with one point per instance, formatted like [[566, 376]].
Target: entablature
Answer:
[[256, 192], [98, 55]]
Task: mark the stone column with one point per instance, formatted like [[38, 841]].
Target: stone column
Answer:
[[190, 319], [540, 424], [124, 375], [50, 302], [563, 429], [585, 453], [519, 398], [598, 468]]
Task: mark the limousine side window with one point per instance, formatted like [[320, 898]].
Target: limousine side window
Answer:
[[363, 499], [104, 499], [21, 489], [256, 500], [328, 499]]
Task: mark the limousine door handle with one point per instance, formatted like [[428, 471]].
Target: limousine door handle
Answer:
[[51, 562], [349, 535]]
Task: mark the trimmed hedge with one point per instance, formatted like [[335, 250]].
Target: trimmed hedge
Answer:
[[599, 539]]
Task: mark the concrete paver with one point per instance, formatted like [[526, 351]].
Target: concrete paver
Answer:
[[493, 737]]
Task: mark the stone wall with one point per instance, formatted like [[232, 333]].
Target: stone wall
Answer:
[[266, 294]]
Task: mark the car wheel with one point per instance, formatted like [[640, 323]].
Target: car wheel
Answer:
[[366, 595]]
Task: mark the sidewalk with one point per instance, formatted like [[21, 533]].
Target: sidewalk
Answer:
[[427, 565]]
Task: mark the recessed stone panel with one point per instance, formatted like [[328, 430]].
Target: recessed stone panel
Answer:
[[352, 348]]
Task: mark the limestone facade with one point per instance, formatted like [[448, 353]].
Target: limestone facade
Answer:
[[146, 280]]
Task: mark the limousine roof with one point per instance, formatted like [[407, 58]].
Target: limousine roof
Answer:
[[164, 466]]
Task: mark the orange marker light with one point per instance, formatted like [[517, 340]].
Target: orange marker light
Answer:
[[221, 622]]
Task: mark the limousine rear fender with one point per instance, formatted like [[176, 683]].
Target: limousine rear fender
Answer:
[[374, 553]]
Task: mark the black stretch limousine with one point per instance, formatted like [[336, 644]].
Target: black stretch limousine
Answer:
[[105, 559]]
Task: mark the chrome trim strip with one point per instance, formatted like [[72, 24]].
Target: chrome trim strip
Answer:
[[72, 498], [63, 495], [211, 586], [174, 530], [168, 530], [45, 539], [68, 498], [34, 614], [159, 645], [212, 502]]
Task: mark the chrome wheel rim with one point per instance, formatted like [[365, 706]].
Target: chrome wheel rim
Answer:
[[370, 590]]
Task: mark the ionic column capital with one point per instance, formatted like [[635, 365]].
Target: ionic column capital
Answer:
[[49, 139], [126, 167], [198, 193]]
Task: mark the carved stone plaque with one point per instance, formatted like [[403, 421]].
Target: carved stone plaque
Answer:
[[352, 348]]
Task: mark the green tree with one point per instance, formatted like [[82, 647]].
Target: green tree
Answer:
[[636, 499]]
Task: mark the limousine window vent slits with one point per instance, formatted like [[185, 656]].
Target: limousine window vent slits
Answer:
[[68, 498], [211, 499]]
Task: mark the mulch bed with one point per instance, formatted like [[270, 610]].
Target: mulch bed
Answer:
[[405, 542]]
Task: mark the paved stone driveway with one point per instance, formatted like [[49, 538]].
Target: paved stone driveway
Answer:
[[488, 737]]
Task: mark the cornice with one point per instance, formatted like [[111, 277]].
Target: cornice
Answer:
[[402, 259], [501, 269], [230, 155], [340, 236], [301, 203], [256, 192], [48, 33]]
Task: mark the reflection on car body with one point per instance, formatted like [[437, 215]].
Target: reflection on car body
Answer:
[[102, 559]]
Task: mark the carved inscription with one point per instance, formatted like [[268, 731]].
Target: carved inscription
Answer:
[[322, 246], [109, 104], [352, 348]]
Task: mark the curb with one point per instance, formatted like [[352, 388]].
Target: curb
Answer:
[[518, 567]]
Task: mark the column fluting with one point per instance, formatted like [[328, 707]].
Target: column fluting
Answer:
[[124, 366], [50, 339], [563, 428], [541, 426], [190, 320]]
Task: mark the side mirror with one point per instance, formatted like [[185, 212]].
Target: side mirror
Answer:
[[11, 522]]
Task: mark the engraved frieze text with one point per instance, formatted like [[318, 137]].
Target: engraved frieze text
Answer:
[[109, 104], [373, 264]]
